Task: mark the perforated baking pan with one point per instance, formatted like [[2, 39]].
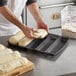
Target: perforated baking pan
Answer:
[[50, 45]]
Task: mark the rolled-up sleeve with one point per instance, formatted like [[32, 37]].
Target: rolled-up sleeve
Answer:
[[3, 2], [30, 2]]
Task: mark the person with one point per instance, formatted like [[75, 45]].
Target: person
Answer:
[[10, 17]]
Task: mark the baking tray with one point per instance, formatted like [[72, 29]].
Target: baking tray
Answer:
[[51, 45]]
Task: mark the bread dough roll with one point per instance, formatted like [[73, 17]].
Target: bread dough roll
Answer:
[[25, 41], [37, 35], [17, 37], [2, 47], [42, 33]]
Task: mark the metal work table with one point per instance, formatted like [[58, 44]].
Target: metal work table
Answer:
[[64, 64]]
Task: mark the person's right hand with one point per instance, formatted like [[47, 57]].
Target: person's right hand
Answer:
[[29, 32], [42, 25]]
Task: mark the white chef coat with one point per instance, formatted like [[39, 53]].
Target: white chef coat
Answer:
[[6, 27]]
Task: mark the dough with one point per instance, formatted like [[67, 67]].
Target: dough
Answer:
[[37, 35], [42, 33], [2, 47], [69, 30], [10, 61], [16, 54], [5, 51], [22, 40], [10, 65], [8, 56], [17, 37], [25, 41]]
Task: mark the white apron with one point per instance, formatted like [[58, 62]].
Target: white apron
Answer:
[[6, 27]]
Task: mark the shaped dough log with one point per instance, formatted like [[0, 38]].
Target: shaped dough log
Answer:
[[25, 41], [17, 37], [42, 33], [37, 35]]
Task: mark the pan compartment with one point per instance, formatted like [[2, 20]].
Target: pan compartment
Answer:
[[46, 43], [34, 43], [57, 46]]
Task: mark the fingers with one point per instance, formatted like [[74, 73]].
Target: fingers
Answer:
[[31, 32], [28, 32], [47, 29], [43, 27], [35, 30], [31, 36]]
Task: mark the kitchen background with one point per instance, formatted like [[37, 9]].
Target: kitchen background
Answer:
[[50, 10]]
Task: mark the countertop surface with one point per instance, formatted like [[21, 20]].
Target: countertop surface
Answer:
[[64, 64]]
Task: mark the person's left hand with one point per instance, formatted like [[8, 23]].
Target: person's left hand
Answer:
[[42, 25]]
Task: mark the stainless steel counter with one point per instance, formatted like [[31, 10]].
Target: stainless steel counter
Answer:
[[65, 63]]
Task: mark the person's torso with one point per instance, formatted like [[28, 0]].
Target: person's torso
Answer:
[[6, 27]]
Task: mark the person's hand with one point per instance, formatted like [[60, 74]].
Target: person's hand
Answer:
[[29, 32], [42, 25]]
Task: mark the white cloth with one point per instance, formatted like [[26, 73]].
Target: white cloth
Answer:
[[6, 27]]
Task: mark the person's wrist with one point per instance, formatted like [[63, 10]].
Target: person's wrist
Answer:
[[23, 27], [39, 20], [39, 23]]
